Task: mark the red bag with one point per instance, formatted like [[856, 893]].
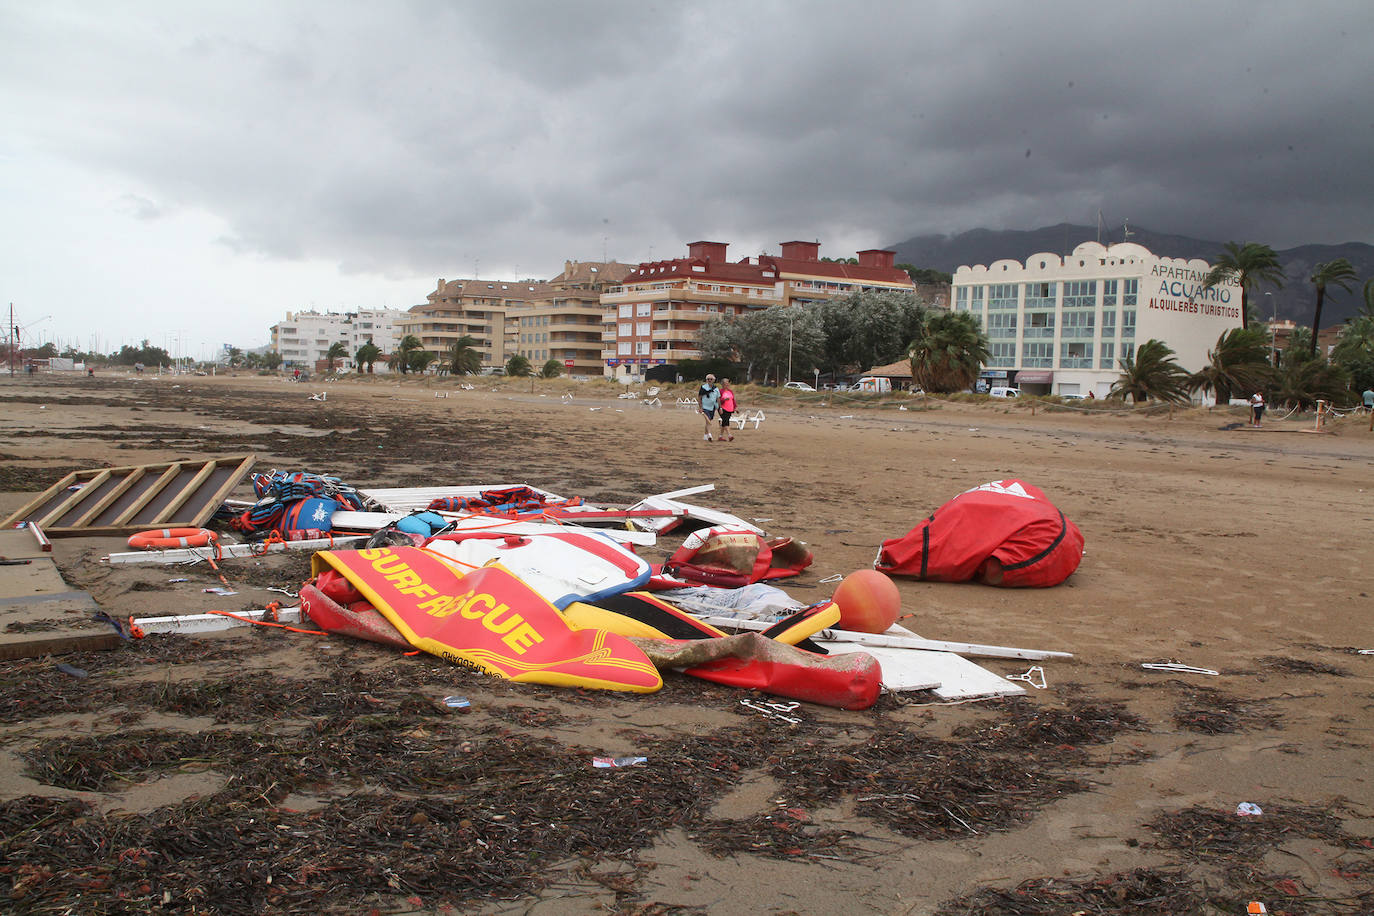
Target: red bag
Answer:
[[731, 558], [1004, 533]]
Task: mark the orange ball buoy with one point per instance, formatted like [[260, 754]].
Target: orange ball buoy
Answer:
[[868, 600]]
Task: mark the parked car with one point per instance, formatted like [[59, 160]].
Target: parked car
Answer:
[[799, 386], [1071, 397], [997, 391]]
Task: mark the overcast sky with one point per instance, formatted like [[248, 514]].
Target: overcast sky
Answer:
[[189, 172]]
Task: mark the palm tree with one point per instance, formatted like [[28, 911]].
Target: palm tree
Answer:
[[519, 367], [1340, 273], [1247, 264], [949, 353], [1302, 381], [367, 355], [1354, 352], [337, 350], [1151, 373], [552, 369], [402, 357], [1367, 310], [1238, 363], [463, 358]]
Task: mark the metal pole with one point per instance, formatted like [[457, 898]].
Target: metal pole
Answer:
[[789, 346]]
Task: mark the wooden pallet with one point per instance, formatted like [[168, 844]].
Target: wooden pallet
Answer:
[[177, 494]]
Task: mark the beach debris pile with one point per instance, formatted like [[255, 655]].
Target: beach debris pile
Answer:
[[524, 584]]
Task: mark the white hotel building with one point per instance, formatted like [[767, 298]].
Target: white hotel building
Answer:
[[1059, 325]]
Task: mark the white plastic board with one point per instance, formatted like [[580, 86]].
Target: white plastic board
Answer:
[[918, 669], [417, 499], [373, 521]]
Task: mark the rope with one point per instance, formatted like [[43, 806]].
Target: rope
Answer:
[[268, 623]]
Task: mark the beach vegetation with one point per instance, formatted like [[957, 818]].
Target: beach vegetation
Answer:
[[1338, 272], [519, 367], [1237, 366], [337, 350], [367, 355], [949, 352], [552, 369], [463, 358], [1151, 373], [1247, 264]]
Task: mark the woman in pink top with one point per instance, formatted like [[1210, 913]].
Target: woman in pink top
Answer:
[[727, 407]]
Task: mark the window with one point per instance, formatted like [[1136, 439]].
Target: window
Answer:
[[642, 310], [1002, 355], [1040, 295], [1039, 324], [977, 303], [642, 328], [1002, 296], [626, 329], [642, 348], [1080, 294], [1037, 355], [1128, 291], [1108, 294], [627, 310], [1128, 324], [1108, 356], [623, 348], [1128, 351], [1076, 355], [1078, 324], [1001, 326], [961, 299], [1108, 324]]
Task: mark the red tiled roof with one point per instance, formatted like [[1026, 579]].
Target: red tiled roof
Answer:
[[837, 269], [654, 271]]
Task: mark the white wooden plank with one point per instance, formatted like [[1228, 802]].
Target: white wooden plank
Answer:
[[209, 623], [235, 551], [697, 513], [899, 638]]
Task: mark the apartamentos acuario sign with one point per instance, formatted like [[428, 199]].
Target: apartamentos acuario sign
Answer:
[[1182, 289]]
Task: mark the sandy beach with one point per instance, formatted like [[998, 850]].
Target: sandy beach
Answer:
[[270, 771]]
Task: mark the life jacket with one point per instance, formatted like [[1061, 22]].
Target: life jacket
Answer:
[[1005, 533]]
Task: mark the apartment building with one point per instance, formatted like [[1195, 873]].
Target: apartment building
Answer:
[[303, 338], [540, 320], [655, 315], [1061, 324]]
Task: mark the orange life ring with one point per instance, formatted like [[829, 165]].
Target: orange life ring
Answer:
[[168, 538]]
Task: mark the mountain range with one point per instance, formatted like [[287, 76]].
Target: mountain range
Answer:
[[1294, 300]]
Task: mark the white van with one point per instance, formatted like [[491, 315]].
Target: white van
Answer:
[[1000, 392], [874, 384]]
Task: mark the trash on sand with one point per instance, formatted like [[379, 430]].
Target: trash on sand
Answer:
[[1248, 809], [773, 710], [72, 670], [219, 590], [605, 763], [1035, 676], [1180, 668], [457, 702], [178, 579]]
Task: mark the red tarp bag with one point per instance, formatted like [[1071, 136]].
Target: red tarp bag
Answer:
[[1004, 533], [730, 558]]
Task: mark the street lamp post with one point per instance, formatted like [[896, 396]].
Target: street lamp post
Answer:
[[1273, 329]]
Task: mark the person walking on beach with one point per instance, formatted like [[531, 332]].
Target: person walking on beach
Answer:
[[1368, 400], [727, 408], [1256, 409], [708, 396]]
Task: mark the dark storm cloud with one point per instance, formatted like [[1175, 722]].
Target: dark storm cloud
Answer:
[[429, 136]]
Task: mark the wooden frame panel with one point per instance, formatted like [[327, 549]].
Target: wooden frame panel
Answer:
[[178, 494]]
